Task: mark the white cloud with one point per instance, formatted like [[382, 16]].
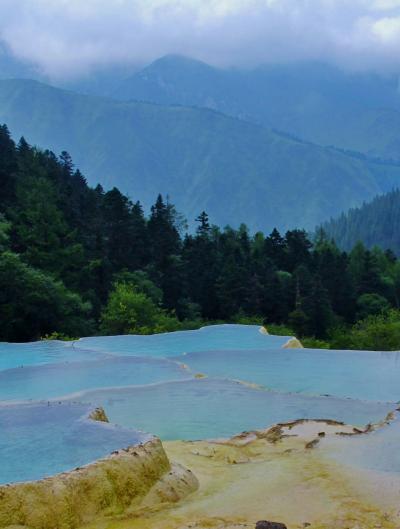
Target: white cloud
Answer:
[[388, 30], [386, 4], [70, 37]]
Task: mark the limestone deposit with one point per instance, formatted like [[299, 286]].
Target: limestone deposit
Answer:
[[293, 343], [271, 475], [128, 481]]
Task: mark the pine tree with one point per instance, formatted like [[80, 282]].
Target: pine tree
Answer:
[[317, 308], [8, 169], [118, 230], [204, 226], [275, 249]]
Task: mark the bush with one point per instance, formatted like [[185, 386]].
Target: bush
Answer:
[[58, 336], [371, 305], [131, 312], [33, 304], [299, 321], [374, 333], [242, 319], [279, 330], [314, 343]]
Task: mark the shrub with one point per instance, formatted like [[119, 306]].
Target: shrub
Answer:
[[131, 312]]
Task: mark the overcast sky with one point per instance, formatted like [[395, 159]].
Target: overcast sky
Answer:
[[67, 38]]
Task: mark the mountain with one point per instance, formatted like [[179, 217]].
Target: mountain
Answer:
[[100, 81], [376, 223], [235, 170], [11, 67], [313, 101]]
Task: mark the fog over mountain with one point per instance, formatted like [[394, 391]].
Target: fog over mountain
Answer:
[[69, 38]]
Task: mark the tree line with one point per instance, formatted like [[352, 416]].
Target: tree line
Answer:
[[77, 260], [375, 223]]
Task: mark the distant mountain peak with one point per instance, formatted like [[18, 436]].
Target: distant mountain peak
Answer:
[[174, 59], [174, 66]]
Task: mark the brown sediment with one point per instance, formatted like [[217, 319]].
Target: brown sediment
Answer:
[[251, 385], [121, 483], [390, 417], [312, 444], [282, 430], [98, 414], [241, 483]]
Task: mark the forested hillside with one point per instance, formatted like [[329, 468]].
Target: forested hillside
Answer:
[[79, 260], [316, 102], [203, 159], [376, 223]]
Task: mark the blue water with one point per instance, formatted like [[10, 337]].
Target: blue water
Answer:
[[215, 337], [55, 380], [42, 440], [148, 383], [40, 353], [359, 375], [209, 408], [378, 450]]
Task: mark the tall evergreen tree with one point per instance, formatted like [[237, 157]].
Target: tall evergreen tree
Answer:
[[8, 168], [275, 249]]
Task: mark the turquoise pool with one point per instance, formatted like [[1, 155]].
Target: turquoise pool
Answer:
[[210, 408], [40, 440], [151, 383], [214, 337]]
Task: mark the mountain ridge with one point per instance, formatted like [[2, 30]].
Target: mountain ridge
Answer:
[[314, 101], [235, 170]]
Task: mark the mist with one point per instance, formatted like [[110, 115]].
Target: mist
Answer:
[[66, 39]]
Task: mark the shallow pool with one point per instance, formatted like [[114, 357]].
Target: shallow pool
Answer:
[[40, 440], [378, 450], [359, 375], [40, 353], [52, 381], [151, 383], [209, 408], [214, 337]]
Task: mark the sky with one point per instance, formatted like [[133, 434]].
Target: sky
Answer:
[[71, 38]]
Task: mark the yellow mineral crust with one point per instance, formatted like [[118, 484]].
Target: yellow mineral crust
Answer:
[[293, 343], [122, 483], [98, 414], [271, 475]]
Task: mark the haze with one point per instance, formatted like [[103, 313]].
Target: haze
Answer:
[[70, 38]]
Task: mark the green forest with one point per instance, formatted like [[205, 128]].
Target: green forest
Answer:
[[76, 260], [375, 223]]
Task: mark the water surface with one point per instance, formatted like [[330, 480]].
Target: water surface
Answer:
[[41, 440], [209, 408], [40, 353], [148, 383], [364, 375], [51, 381], [214, 337]]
